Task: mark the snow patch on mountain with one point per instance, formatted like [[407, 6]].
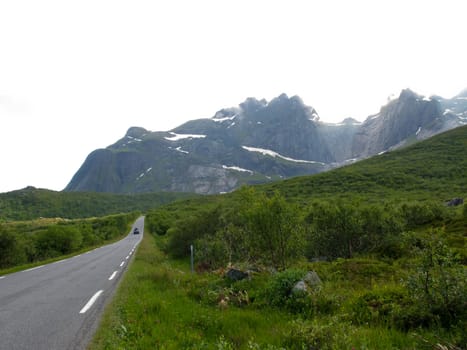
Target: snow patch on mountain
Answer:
[[177, 137], [179, 149], [134, 139], [220, 120], [236, 168], [273, 154], [447, 111]]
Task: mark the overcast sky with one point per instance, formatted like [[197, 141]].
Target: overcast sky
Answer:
[[75, 75]]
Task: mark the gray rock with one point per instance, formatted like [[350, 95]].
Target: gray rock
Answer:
[[455, 202], [312, 279], [300, 288], [236, 275]]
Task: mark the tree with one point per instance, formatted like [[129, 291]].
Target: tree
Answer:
[[10, 251], [438, 285], [336, 230], [275, 230]]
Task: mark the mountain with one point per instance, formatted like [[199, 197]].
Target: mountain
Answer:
[[396, 123], [257, 142]]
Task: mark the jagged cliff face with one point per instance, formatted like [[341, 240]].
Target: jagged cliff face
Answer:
[[339, 138], [256, 142], [398, 121]]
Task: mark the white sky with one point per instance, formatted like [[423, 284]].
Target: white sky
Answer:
[[75, 75]]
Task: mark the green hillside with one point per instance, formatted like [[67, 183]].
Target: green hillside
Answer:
[[390, 257], [433, 169], [32, 203]]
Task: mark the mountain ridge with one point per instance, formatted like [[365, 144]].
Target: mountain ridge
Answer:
[[259, 141]]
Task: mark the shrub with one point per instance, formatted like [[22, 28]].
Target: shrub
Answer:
[[189, 229], [11, 251], [417, 213], [278, 293], [57, 240], [438, 286], [211, 252], [275, 231], [378, 307], [305, 335]]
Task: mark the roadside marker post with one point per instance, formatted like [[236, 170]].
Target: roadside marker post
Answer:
[[192, 259]]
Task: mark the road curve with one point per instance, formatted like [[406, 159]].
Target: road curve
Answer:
[[58, 306]]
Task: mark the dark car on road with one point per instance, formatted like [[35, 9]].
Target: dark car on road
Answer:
[[135, 231]]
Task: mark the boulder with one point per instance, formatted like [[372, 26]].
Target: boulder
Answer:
[[455, 202], [236, 275], [312, 279], [300, 288]]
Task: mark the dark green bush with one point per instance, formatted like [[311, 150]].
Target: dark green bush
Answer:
[[422, 213], [278, 293], [57, 240], [211, 252], [186, 231], [11, 250], [438, 286], [378, 307]]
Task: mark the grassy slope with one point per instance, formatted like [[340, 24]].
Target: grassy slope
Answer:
[[160, 305], [432, 169], [158, 291]]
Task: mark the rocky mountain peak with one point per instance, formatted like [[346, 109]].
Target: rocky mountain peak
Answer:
[[251, 105], [259, 141], [226, 113], [408, 94], [136, 132]]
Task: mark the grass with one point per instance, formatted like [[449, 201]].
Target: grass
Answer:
[[161, 305], [362, 302]]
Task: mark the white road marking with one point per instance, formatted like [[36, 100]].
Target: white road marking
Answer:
[[90, 302], [113, 275], [123, 263], [34, 268], [127, 257], [2, 277]]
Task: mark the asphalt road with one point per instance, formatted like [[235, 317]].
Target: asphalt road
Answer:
[[58, 306]]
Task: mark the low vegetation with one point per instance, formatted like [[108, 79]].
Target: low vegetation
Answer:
[[388, 254], [364, 257], [35, 241], [33, 203], [417, 301]]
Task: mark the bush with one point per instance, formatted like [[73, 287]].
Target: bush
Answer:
[[417, 214], [211, 252], [278, 293], [305, 335], [57, 240], [275, 231], [378, 307], [438, 287], [189, 229], [11, 251]]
